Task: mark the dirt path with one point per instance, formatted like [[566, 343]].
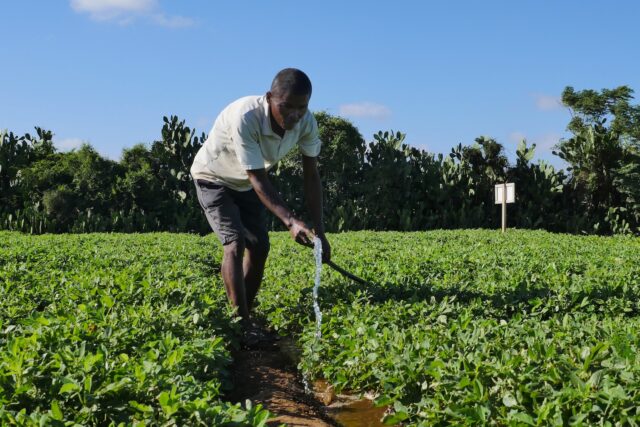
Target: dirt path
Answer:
[[269, 377]]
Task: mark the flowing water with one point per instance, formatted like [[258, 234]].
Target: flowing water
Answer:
[[356, 413], [317, 253]]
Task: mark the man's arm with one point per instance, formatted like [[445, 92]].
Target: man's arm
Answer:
[[272, 200], [313, 196]]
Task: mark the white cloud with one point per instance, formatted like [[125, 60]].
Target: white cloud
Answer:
[[547, 102], [126, 11], [69, 144], [105, 10], [365, 110], [173, 21]]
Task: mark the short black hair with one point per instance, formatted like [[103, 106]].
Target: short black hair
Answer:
[[291, 81]]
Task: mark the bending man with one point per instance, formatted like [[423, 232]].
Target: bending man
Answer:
[[230, 172]]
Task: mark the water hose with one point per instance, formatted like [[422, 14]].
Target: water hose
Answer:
[[346, 273], [342, 271]]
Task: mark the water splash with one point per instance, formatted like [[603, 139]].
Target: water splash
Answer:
[[317, 253]]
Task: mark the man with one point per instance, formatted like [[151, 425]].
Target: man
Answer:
[[230, 172]]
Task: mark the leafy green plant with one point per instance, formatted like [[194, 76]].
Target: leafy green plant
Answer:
[[604, 177], [115, 330], [472, 327]]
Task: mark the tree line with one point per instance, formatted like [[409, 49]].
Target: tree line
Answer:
[[383, 184]]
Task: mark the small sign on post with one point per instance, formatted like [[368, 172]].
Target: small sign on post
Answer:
[[505, 193]]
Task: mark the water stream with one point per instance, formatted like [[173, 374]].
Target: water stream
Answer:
[[359, 412], [317, 253]]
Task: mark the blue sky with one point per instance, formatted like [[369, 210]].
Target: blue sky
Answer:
[[107, 71]]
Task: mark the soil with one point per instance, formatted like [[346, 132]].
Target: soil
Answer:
[[268, 376]]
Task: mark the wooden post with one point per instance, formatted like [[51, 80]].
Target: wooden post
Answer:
[[504, 207]]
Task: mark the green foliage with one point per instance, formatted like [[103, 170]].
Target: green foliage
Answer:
[[139, 190], [471, 327], [604, 177], [115, 330], [81, 183], [590, 107], [80, 191], [177, 208], [540, 201], [175, 154], [340, 162], [458, 327], [469, 176], [17, 153], [396, 180], [384, 184], [340, 165]]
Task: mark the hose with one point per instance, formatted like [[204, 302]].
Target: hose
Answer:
[[347, 274]]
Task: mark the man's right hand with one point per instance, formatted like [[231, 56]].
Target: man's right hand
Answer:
[[300, 232]]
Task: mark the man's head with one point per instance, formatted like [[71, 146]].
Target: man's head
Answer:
[[289, 97]]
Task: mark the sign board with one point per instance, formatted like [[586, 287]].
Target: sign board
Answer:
[[510, 188], [505, 193]]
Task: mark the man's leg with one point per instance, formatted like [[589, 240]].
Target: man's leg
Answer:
[[254, 261], [253, 215], [233, 277], [223, 215]]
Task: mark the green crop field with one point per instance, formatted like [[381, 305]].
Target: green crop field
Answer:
[[457, 327]]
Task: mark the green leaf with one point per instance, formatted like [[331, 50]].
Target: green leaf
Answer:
[[523, 418], [141, 407], [395, 418], [163, 398], [56, 413], [616, 392], [106, 301], [69, 388]]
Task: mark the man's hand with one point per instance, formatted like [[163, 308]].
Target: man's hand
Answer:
[[300, 232]]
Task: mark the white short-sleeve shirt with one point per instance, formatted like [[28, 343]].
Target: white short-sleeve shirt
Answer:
[[241, 139]]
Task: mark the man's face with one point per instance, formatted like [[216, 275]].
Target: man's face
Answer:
[[288, 109]]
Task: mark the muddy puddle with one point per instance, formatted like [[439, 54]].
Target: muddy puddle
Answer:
[[269, 376], [358, 413], [348, 410]]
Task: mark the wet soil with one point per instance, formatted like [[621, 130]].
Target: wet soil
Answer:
[[359, 413], [349, 410], [268, 376]]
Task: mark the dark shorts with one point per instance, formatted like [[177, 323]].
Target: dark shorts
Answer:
[[234, 215]]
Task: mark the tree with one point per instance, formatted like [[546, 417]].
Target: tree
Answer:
[[540, 192], [340, 163], [401, 185], [138, 191], [65, 186], [589, 107], [605, 176], [469, 176], [17, 153], [174, 155]]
